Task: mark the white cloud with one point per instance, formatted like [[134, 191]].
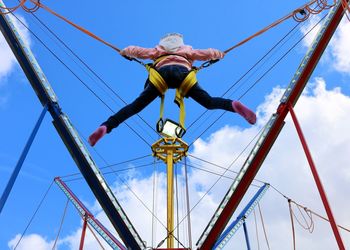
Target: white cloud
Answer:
[[323, 115], [309, 24], [29, 242], [7, 59], [338, 53], [90, 243], [340, 48]]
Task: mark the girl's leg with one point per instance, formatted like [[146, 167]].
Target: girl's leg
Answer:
[[244, 111], [203, 98], [97, 135], [146, 97]]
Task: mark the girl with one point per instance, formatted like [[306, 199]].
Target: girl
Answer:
[[173, 61]]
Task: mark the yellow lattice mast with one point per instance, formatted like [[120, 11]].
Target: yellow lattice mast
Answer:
[[170, 150]]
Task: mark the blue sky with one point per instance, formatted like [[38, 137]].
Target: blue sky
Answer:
[[204, 24]]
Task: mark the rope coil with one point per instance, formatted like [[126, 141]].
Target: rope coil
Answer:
[[301, 15], [32, 9]]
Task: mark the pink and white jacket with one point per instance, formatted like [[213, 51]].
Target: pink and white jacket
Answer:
[[186, 55]]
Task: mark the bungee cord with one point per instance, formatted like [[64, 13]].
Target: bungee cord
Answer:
[[89, 68], [154, 202], [300, 14], [80, 79], [259, 79], [310, 212], [248, 71], [144, 205], [95, 236], [146, 165], [177, 201], [34, 214], [308, 224], [216, 182], [313, 7], [320, 6], [304, 10], [256, 229], [263, 226], [112, 165], [61, 224], [188, 206], [292, 224], [38, 5]]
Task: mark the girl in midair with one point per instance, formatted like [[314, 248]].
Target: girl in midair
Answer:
[[175, 60]]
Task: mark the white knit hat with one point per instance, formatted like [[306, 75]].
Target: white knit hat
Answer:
[[171, 42]]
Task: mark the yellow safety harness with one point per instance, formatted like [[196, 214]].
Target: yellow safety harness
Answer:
[[158, 81]]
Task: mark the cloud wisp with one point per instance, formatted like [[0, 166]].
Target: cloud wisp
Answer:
[[338, 52], [7, 59]]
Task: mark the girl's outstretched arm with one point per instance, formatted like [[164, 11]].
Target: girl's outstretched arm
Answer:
[[205, 54], [140, 52]]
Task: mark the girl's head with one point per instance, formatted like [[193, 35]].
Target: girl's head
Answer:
[[171, 42]]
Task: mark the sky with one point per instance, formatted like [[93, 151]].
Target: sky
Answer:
[[321, 110]]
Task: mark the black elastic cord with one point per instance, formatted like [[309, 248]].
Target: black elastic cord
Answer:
[[88, 67], [248, 71], [266, 72], [70, 70]]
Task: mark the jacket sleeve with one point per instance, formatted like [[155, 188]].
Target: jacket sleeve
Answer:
[[205, 54], [139, 52]]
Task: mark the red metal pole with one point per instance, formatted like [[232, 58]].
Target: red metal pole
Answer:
[[210, 236], [317, 180], [81, 246]]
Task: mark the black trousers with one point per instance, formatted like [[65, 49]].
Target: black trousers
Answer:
[[173, 76]]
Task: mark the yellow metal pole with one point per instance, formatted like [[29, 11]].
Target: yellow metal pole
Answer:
[[170, 150], [170, 198]]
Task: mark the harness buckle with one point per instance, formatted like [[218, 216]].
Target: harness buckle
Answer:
[[160, 125], [208, 63], [169, 128]]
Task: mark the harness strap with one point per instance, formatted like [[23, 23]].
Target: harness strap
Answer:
[[182, 91], [158, 81]]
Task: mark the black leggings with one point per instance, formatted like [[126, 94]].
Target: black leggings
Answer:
[[173, 76]]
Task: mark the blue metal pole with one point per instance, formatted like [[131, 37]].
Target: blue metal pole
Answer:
[[69, 135], [21, 159], [236, 224], [246, 234]]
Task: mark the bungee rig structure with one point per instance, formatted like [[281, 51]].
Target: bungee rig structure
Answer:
[[89, 218], [170, 148]]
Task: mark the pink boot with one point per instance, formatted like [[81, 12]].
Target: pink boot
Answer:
[[244, 111], [97, 135]]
